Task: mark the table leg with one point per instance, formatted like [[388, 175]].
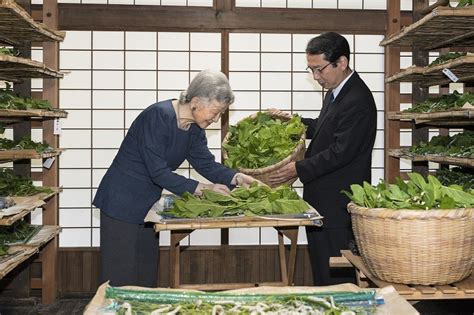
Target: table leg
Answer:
[[175, 237], [292, 233]]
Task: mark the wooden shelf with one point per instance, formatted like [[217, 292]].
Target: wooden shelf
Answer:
[[11, 155], [20, 253], [459, 290], [17, 255], [405, 154], [15, 69], [17, 115], [462, 67], [47, 233], [454, 117], [27, 204], [17, 27], [443, 27]]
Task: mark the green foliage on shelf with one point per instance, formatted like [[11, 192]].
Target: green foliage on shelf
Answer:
[[445, 102], [8, 100]]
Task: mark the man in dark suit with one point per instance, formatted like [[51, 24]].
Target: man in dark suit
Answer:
[[340, 151]]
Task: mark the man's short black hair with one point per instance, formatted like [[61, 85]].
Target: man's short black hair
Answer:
[[331, 44]]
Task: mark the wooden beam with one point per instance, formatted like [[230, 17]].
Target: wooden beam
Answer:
[[99, 17], [392, 93]]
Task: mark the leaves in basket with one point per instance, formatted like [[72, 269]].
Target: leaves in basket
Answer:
[[262, 141], [416, 193], [251, 201]]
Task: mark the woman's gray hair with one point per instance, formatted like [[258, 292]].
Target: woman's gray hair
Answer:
[[209, 86]]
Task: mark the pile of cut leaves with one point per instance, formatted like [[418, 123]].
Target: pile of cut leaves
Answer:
[[130, 301], [18, 233], [447, 57], [25, 143], [251, 201], [459, 145], [463, 177], [445, 102], [262, 141], [416, 193], [8, 100], [12, 185]]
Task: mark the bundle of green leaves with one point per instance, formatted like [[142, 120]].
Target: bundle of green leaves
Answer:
[[262, 141], [8, 100], [459, 176], [459, 145], [25, 143], [416, 193], [465, 3], [447, 57], [9, 51], [445, 102], [251, 201], [12, 185]]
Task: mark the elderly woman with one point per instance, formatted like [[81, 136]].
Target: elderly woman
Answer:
[[158, 141]]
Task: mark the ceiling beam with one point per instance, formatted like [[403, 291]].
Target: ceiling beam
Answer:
[[98, 17]]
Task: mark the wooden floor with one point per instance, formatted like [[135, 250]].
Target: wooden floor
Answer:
[[61, 307]]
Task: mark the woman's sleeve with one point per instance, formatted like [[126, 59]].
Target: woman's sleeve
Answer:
[[205, 163], [153, 144]]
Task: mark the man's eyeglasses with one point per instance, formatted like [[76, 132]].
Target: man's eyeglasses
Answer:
[[317, 70]]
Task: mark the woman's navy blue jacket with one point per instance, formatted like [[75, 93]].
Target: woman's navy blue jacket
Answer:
[[153, 148]]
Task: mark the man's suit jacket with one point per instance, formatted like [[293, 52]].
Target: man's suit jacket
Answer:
[[340, 152]]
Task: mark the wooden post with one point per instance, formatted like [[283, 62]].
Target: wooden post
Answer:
[[392, 93], [50, 177], [419, 93], [20, 284]]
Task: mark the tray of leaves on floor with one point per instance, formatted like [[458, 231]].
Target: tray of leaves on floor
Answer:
[[17, 234], [280, 203]]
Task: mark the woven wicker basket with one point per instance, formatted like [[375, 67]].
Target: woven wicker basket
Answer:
[[263, 173], [415, 246]]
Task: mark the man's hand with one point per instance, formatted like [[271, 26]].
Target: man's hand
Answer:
[[277, 112], [282, 175]]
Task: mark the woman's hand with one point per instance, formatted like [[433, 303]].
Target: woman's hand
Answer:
[[241, 179], [218, 188]]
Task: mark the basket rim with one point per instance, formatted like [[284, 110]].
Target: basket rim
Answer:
[[300, 146], [411, 213]]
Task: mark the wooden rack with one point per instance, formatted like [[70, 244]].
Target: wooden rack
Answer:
[[15, 69], [28, 204], [405, 154], [462, 67], [22, 252], [443, 27], [17, 27], [459, 290], [11, 155], [459, 116]]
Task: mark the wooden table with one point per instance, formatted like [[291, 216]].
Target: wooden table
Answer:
[[459, 290], [180, 228]]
